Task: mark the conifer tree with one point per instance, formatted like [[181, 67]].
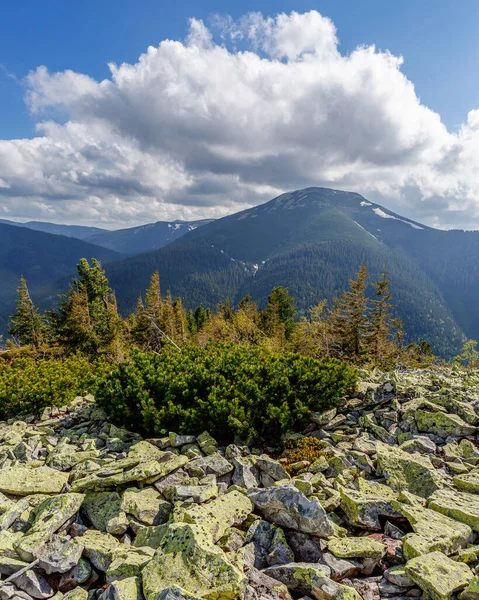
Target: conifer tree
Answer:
[[181, 326], [87, 319], [153, 301], [348, 318], [278, 316], [379, 326], [27, 325]]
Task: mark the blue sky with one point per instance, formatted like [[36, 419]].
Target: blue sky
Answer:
[[220, 116], [438, 39]]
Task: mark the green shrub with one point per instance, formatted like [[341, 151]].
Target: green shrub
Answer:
[[232, 391], [28, 385]]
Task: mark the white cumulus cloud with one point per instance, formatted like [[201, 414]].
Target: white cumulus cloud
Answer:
[[230, 117]]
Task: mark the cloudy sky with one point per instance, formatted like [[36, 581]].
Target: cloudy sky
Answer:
[[232, 111]]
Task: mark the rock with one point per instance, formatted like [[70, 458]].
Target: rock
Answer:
[[22, 481], [271, 547], [262, 587], [11, 512], [207, 443], [438, 575], [193, 493], [323, 418], [220, 514], [79, 575], [128, 563], [311, 579], [214, 464], [126, 589], [146, 505], [356, 547], [177, 440], [76, 594], [272, 468], [100, 548], [53, 513], [232, 540], [468, 482], [104, 511], [419, 444], [442, 424], [341, 568], [472, 590], [432, 531], [34, 585], [288, 507], [306, 548], [175, 593], [9, 590], [187, 559], [245, 473], [460, 506], [413, 472], [397, 576], [364, 506], [58, 555]]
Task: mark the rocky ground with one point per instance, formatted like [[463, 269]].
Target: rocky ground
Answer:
[[388, 508]]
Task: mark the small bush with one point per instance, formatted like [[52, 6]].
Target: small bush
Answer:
[[243, 392], [28, 385]]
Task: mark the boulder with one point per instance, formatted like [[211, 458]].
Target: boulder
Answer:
[[146, 505], [288, 507], [312, 579], [442, 424], [105, 513], [412, 472], [25, 480], [51, 514], [356, 547], [126, 589], [364, 506], [187, 559], [460, 506], [437, 575], [432, 531]]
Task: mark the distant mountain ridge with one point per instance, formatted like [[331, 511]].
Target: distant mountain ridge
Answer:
[[312, 241], [144, 238], [75, 231]]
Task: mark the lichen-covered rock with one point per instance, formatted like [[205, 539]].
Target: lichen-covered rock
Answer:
[[246, 474], [54, 512], [105, 513], [146, 505], [176, 593], [437, 575], [397, 576], [270, 545], [25, 480], [100, 548], [432, 531], [128, 563], [272, 468], [214, 464], [442, 424], [468, 482], [126, 589], [311, 579], [218, 515], [58, 555], [364, 506], [76, 576], [460, 506], [187, 559], [356, 547], [288, 507], [402, 470], [34, 584], [472, 590]]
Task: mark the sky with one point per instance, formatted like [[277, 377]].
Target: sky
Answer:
[[115, 113]]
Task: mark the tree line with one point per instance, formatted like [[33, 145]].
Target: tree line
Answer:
[[359, 326]]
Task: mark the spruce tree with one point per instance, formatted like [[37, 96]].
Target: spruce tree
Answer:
[[87, 319], [27, 325], [348, 318], [278, 316], [379, 326]]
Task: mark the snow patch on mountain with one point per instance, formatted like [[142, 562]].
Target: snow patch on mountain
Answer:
[[383, 215]]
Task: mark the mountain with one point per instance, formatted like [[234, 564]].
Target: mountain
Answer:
[[144, 238], [312, 241], [74, 231], [42, 258]]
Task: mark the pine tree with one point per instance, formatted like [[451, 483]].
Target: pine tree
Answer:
[[379, 326], [348, 318], [27, 325], [181, 326], [87, 319], [278, 316], [153, 301]]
